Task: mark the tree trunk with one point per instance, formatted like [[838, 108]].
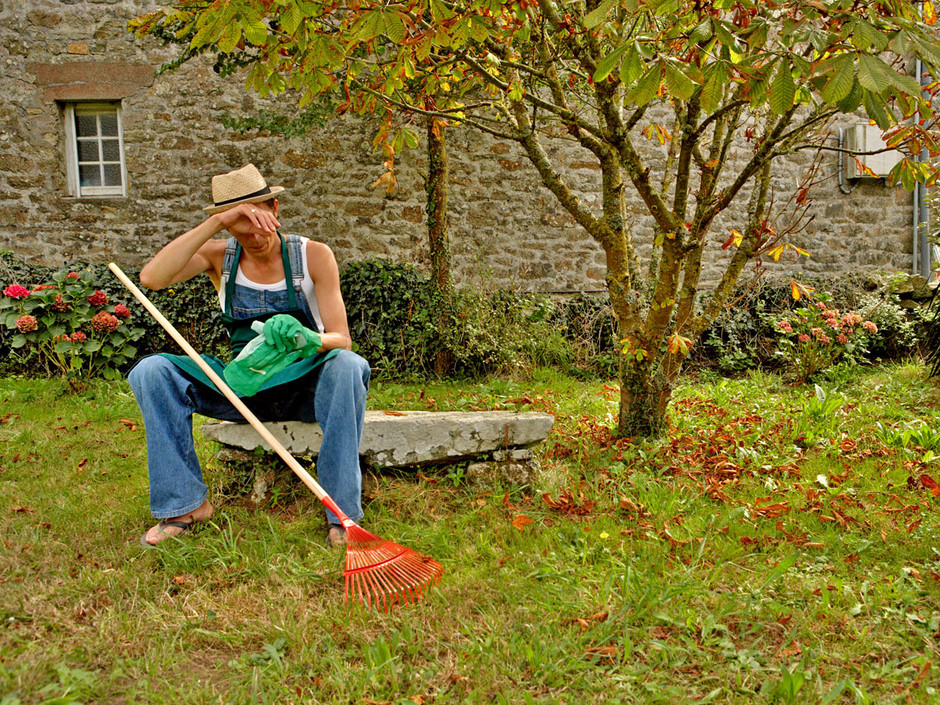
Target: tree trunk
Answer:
[[644, 398], [438, 242]]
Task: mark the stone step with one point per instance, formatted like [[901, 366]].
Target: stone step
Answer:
[[404, 438]]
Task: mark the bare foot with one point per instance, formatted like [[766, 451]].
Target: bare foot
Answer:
[[174, 526]]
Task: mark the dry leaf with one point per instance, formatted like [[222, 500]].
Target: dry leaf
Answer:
[[394, 413], [521, 521]]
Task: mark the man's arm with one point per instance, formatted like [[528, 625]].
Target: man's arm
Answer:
[[325, 274], [195, 252]]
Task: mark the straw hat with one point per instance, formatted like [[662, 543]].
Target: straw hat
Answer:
[[245, 185]]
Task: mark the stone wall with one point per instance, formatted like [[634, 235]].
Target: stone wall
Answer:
[[507, 230]]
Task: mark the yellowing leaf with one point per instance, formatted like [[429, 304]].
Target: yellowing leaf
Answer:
[[734, 240], [930, 13]]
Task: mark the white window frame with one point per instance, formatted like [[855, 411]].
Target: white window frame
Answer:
[[71, 150]]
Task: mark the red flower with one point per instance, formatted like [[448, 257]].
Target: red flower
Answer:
[[99, 298], [60, 304], [43, 287], [104, 322], [15, 291], [72, 275], [78, 337], [27, 324], [121, 311]]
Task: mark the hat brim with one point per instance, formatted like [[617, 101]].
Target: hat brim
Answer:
[[212, 210]]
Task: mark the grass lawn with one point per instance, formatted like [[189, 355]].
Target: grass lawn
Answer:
[[777, 546]]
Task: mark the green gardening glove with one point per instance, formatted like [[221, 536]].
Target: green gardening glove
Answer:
[[286, 333], [281, 331]]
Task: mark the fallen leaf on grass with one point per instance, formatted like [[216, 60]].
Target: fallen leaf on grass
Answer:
[[608, 653], [932, 485], [129, 424], [521, 521], [567, 505], [22, 510], [7, 418]]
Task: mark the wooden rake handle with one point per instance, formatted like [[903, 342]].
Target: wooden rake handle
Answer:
[[230, 395]]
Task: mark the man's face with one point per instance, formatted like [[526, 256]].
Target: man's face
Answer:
[[253, 237]]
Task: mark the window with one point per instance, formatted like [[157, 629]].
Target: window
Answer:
[[95, 149]]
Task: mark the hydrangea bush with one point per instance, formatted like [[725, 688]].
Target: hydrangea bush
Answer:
[[70, 326], [816, 336]]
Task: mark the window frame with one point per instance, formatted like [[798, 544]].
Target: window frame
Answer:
[[75, 188]]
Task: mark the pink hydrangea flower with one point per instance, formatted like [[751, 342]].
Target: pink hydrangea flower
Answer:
[[72, 275], [27, 323], [785, 326], [78, 337], [870, 327], [15, 291], [60, 304], [43, 287], [99, 298], [803, 338], [104, 322], [121, 311], [842, 339]]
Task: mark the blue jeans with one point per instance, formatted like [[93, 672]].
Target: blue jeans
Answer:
[[334, 395]]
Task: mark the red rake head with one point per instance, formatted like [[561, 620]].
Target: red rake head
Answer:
[[382, 572]]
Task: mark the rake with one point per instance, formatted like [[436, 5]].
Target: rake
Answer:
[[378, 571]]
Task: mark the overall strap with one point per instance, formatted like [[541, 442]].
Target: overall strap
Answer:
[[295, 252], [229, 262]]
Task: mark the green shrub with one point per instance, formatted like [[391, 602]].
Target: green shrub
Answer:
[[745, 335]]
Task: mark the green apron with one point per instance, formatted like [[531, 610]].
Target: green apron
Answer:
[[240, 333]]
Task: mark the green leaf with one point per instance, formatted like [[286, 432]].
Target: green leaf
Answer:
[[701, 33], [256, 32], [647, 88], [598, 14], [606, 65], [410, 137], [18, 341], [872, 73], [92, 346], [394, 27], [290, 20], [782, 90], [876, 109], [853, 100], [677, 83], [841, 81], [714, 88], [781, 568], [230, 37], [631, 68]]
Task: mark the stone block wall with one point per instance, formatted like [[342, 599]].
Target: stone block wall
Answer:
[[507, 230]]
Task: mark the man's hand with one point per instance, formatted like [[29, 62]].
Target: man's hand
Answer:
[[281, 331], [260, 217]]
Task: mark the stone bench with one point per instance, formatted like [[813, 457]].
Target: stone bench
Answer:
[[499, 441]]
